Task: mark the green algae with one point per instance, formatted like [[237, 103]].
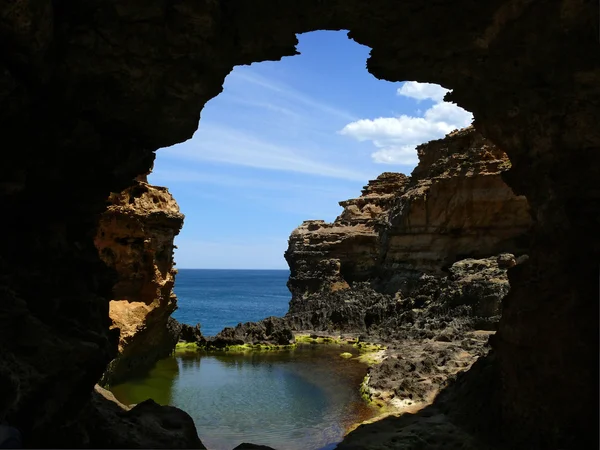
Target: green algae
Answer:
[[368, 347], [369, 353], [184, 347], [368, 396], [366, 350], [251, 348], [308, 339], [365, 391], [370, 358], [187, 346]]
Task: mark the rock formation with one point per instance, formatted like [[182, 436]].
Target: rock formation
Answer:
[[89, 90], [135, 238], [326, 256], [440, 295], [145, 425], [455, 205]]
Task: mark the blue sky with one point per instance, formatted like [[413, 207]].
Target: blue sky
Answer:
[[285, 142]]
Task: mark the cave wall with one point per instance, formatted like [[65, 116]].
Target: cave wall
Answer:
[[89, 90]]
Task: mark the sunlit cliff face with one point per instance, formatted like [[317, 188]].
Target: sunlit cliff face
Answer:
[[90, 90]]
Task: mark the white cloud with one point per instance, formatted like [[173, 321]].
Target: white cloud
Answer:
[[396, 155], [333, 190], [422, 91], [396, 138]]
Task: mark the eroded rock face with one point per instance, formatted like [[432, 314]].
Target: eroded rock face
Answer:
[[325, 257], [433, 307], [455, 205], [89, 90], [135, 237]]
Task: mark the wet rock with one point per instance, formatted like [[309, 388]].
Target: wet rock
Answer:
[[270, 331], [191, 334]]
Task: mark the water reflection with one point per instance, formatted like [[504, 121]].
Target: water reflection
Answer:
[[157, 385], [300, 399]]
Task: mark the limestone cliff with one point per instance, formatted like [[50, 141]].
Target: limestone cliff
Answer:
[[135, 237], [326, 256], [419, 263], [455, 205]]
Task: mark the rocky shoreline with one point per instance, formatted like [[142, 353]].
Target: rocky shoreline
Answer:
[[422, 341], [412, 273], [416, 265]]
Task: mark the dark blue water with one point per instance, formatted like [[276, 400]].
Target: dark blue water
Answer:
[[224, 298]]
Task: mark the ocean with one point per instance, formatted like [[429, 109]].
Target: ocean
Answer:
[[223, 298]]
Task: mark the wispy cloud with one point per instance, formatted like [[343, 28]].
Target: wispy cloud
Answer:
[[396, 138], [285, 91], [167, 176], [226, 145], [253, 103]]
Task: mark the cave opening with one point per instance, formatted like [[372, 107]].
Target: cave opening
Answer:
[[90, 90], [266, 157]]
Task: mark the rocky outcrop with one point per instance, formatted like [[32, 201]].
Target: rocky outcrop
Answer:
[[269, 333], [455, 205], [414, 263], [135, 238], [325, 256], [435, 307], [89, 90], [145, 425]]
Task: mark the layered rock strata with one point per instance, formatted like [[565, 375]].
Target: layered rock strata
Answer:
[[135, 237], [455, 205], [89, 90], [324, 256]]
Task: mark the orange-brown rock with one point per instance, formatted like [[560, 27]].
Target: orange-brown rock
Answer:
[[328, 255], [455, 205], [135, 237]]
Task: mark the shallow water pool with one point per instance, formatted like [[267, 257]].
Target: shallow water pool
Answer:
[[301, 399]]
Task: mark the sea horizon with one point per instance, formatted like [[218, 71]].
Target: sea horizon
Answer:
[[219, 298], [219, 268]]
